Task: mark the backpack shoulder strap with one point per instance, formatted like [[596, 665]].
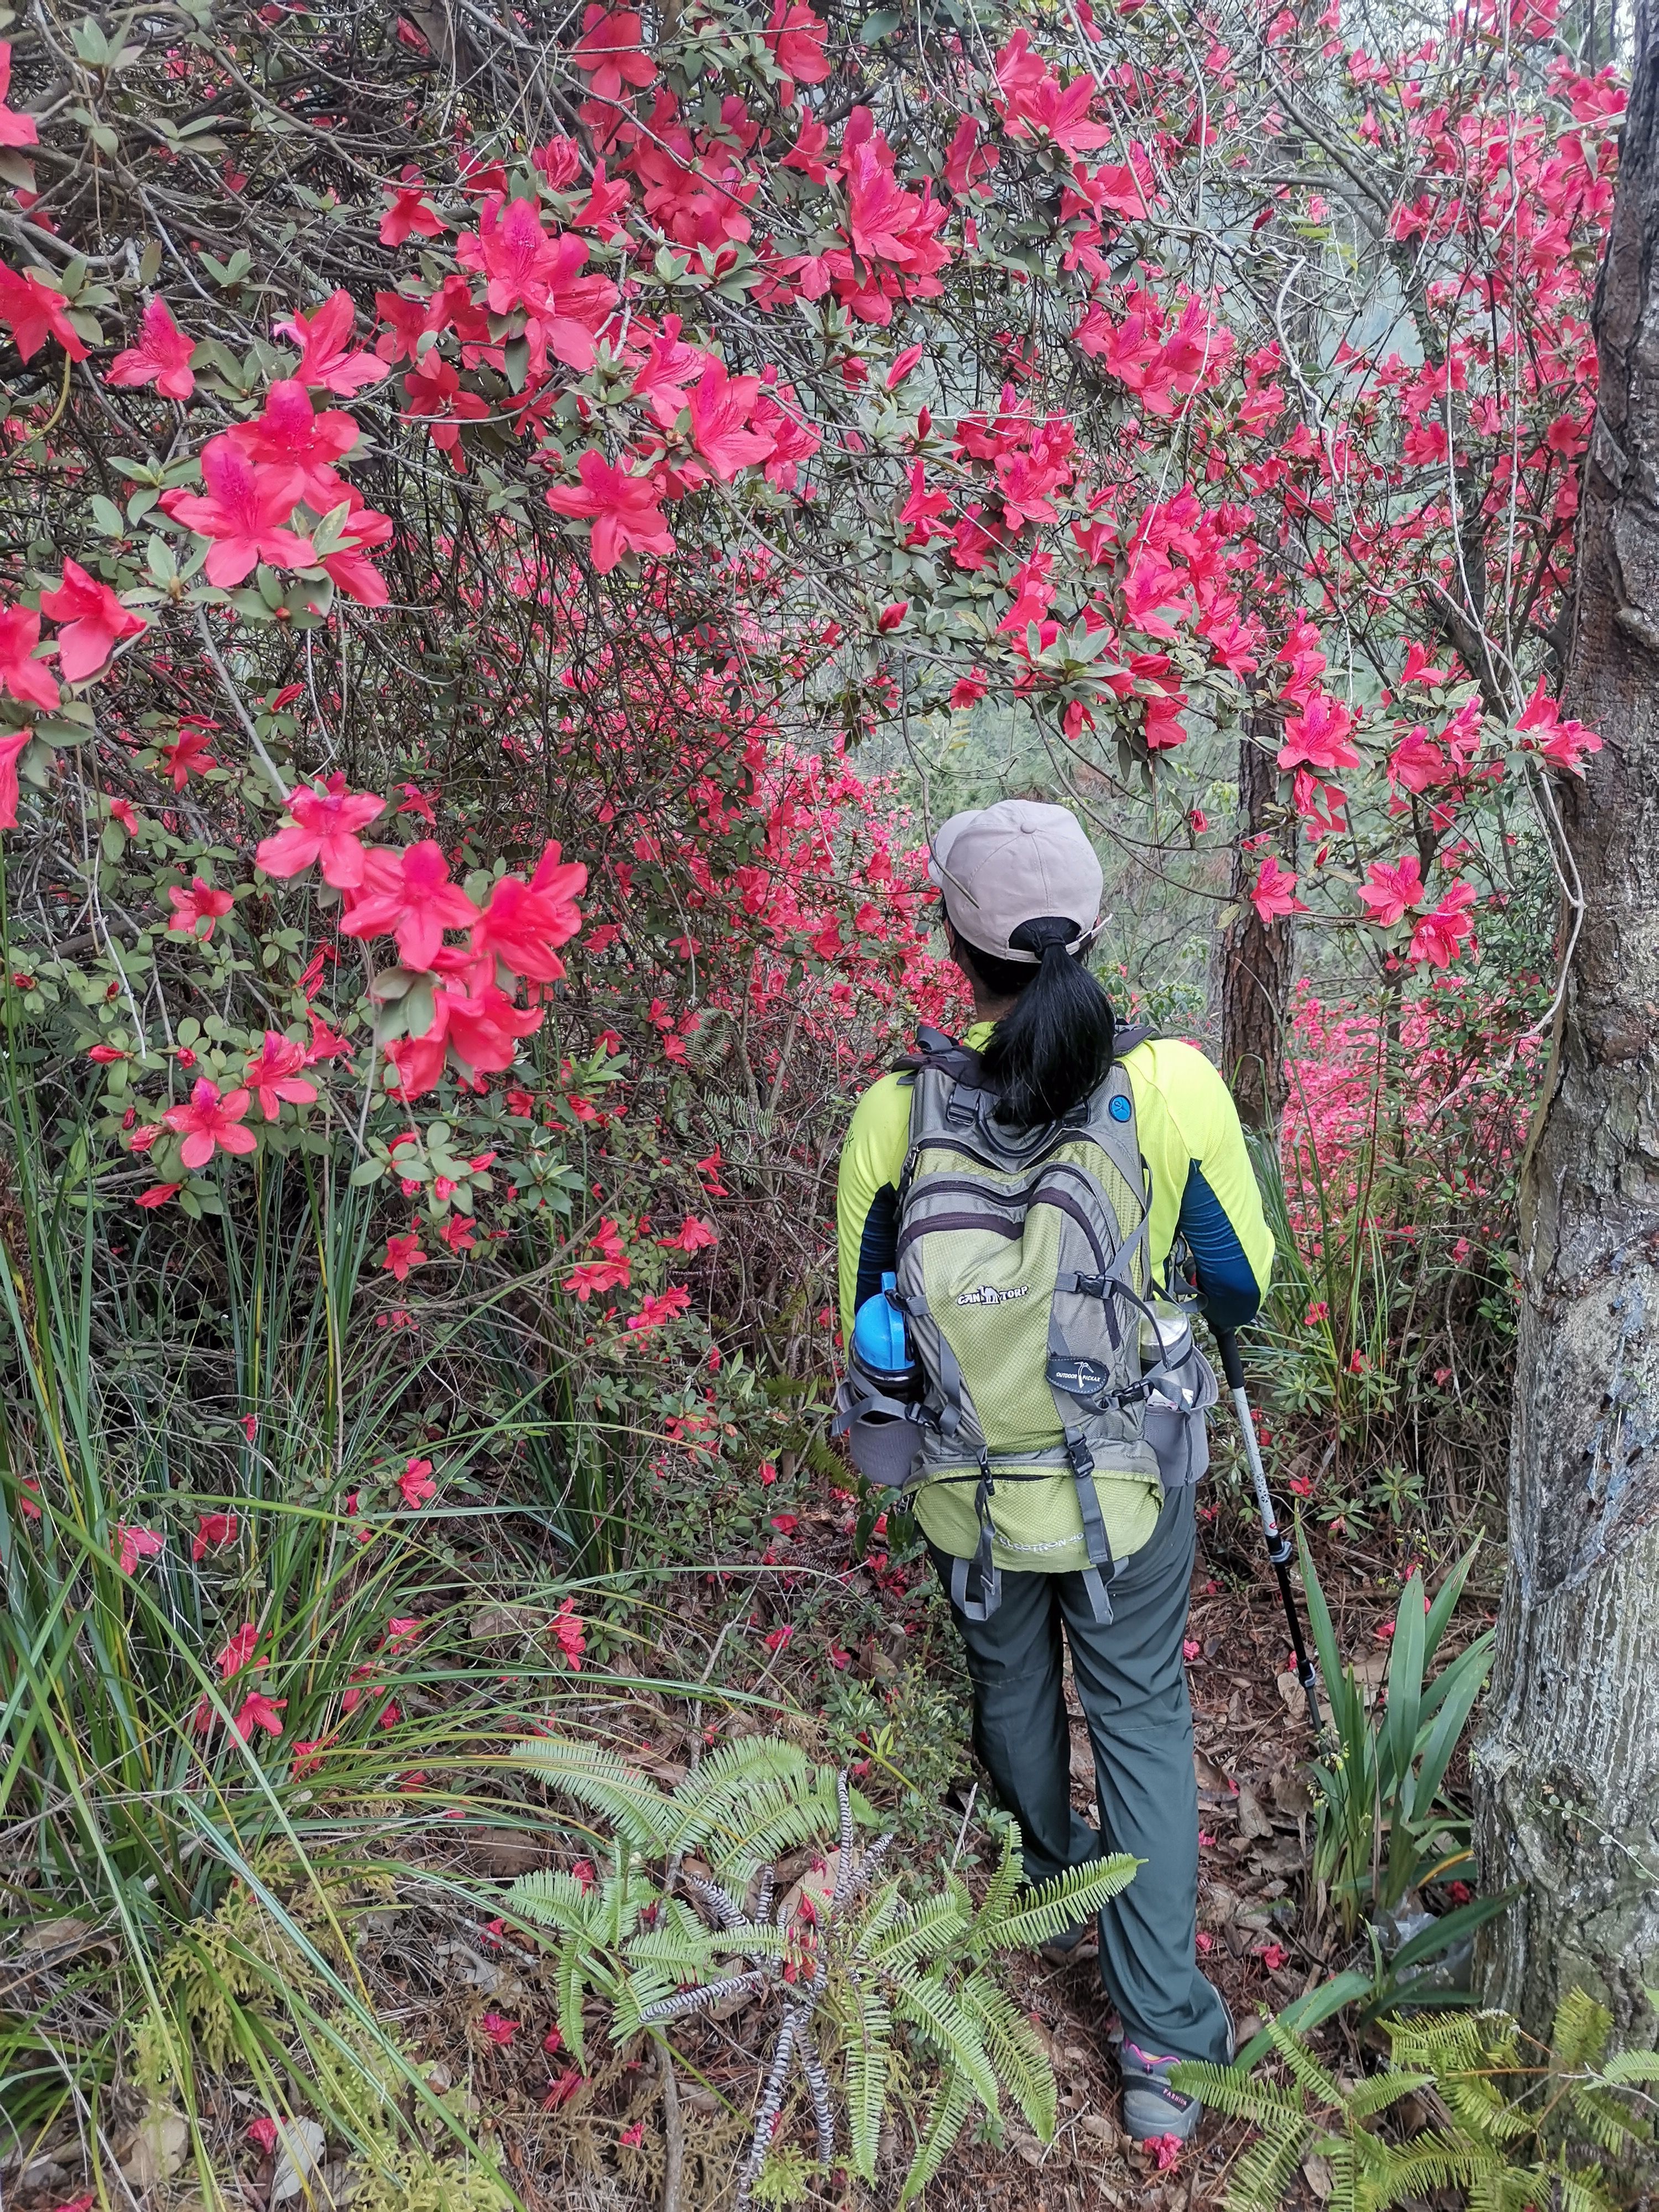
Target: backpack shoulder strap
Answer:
[[934, 1049], [1128, 1036]]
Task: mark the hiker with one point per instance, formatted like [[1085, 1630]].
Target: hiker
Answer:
[[1006, 1209]]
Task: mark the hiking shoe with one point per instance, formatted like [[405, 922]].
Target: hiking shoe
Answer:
[[1151, 2108], [1073, 1947]]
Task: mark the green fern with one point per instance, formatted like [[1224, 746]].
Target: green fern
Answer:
[[952, 2102], [869, 2048], [868, 1963], [1512, 2118], [1048, 1910]]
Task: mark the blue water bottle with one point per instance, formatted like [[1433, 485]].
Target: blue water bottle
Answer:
[[881, 1343]]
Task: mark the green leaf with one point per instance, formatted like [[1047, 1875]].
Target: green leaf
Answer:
[[1445, 1602], [1405, 1694], [882, 25], [1457, 1689], [106, 516]]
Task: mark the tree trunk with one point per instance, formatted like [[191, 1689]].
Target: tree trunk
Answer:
[[1256, 955], [1567, 1777]]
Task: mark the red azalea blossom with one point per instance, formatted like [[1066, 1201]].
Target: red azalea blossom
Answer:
[[413, 900], [20, 673], [33, 313], [93, 621], [257, 1710], [15, 130], [212, 1531], [499, 2031], [570, 1634], [655, 1310], [11, 748], [403, 1253], [622, 508], [272, 1075]]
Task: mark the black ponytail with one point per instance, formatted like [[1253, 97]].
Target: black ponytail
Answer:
[[1055, 1045]]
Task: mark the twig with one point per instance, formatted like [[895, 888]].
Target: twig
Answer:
[[673, 2130]]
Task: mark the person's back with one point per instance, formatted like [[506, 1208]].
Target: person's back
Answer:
[[1053, 1509]]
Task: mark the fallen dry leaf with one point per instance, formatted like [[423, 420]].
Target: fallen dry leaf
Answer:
[[1253, 1822]]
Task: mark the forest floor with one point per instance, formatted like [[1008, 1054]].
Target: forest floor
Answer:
[[440, 1975]]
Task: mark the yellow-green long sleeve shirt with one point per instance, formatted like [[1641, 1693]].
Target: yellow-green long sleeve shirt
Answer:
[[1202, 1186]]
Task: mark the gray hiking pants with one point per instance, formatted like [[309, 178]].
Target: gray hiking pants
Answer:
[[1132, 1685]]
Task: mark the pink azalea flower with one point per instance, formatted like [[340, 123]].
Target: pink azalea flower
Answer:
[[501, 2032], [570, 1634], [210, 1123], [272, 1075], [403, 1253], [1274, 892], [655, 1310], [1392, 888], [133, 1544], [161, 356], [416, 901], [416, 1484], [200, 903], [257, 1711], [244, 511], [322, 824]]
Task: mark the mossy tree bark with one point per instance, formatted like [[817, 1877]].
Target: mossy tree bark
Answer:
[[1256, 955], [1567, 1775]]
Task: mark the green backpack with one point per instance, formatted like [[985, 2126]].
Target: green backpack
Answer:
[[1025, 1279]]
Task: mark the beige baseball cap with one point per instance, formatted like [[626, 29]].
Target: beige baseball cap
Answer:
[[1001, 866]]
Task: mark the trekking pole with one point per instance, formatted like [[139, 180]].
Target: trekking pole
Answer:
[[1278, 1544]]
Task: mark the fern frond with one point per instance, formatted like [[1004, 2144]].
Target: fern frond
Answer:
[[883, 1909], [1481, 2106], [1580, 2190], [1005, 1883], [1305, 2069], [1240, 2095], [927, 2003], [756, 1939], [1264, 2173], [952, 2102], [1579, 2036], [555, 1899], [1049, 1910], [922, 1929], [1607, 2120], [869, 2061], [1432, 2161], [1625, 2066], [637, 1810], [1021, 2062], [1377, 2092], [570, 1979]]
